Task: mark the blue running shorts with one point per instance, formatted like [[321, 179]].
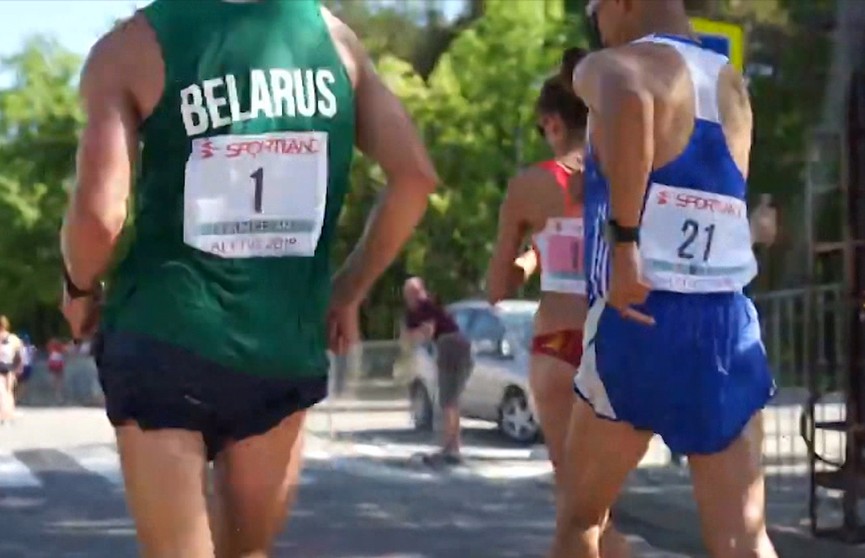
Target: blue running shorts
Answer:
[[696, 377]]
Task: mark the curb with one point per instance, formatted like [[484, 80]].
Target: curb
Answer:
[[354, 406]]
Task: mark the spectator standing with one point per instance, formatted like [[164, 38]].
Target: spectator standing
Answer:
[[56, 366], [426, 320], [11, 361]]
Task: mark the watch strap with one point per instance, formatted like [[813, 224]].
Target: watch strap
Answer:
[[618, 234], [72, 289]]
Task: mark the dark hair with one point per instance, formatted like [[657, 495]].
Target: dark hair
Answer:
[[558, 97], [570, 58]]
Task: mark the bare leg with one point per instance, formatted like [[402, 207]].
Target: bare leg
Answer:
[[57, 384], [256, 485], [6, 404], [13, 380], [451, 434], [730, 493], [613, 543], [164, 475], [552, 383], [599, 455], [20, 390]]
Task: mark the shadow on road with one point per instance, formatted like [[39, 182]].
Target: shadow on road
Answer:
[[339, 514], [73, 515]]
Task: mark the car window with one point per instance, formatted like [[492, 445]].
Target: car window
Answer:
[[486, 326], [519, 326], [462, 318]]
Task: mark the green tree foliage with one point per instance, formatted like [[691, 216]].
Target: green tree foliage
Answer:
[[39, 117], [487, 82], [470, 85], [476, 114]]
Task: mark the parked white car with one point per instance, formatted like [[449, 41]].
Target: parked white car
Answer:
[[498, 388]]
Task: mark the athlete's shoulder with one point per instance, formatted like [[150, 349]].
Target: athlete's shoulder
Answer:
[[349, 47], [609, 61], [619, 67], [123, 44], [125, 34], [126, 60], [530, 175], [526, 182], [338, 27]]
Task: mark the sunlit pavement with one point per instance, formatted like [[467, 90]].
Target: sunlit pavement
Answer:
[[61, 496]]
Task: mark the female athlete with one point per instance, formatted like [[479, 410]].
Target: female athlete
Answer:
[[545, 201]]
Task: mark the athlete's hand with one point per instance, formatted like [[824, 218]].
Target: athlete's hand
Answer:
[[82, 314], [343, 330], [627, 287], [764, 222]]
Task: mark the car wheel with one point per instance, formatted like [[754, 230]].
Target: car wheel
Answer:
[[516, 420], [421, 407]]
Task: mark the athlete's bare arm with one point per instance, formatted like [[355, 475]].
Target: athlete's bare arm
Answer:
[[505, 273], [97, 210], [737, 118], [122, 68], [622, 108], [386, 134]]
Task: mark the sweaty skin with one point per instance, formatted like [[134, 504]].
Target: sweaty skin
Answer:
[[640, 99]]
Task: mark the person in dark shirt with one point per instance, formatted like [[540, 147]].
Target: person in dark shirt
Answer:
[[426, 320]]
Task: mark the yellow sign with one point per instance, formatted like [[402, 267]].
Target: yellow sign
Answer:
[[722, 37]]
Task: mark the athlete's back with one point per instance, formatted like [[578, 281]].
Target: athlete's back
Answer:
[[242, 176], [672, 344], [213, 343], [699, 372]]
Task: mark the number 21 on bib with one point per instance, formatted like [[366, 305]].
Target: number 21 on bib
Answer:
[[256, 196], [693, 241]]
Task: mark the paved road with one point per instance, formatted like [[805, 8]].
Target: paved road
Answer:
[[61, 496]]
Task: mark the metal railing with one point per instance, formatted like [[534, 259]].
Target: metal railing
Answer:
[[805, 332], [803, 335], [367, 372]]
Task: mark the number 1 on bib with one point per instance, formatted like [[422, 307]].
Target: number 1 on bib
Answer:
[[218, 217], [258, 178]]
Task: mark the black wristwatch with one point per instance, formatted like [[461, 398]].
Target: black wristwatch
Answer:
[[617, 234], [73, 290]]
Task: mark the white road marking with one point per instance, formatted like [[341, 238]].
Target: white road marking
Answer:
[[14, 473], [102, 461], [504, 471]]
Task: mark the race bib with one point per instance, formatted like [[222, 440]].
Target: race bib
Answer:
[[256, 196], [562, 255], [695, 242]]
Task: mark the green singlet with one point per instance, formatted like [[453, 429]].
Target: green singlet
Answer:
[[244, 168]]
